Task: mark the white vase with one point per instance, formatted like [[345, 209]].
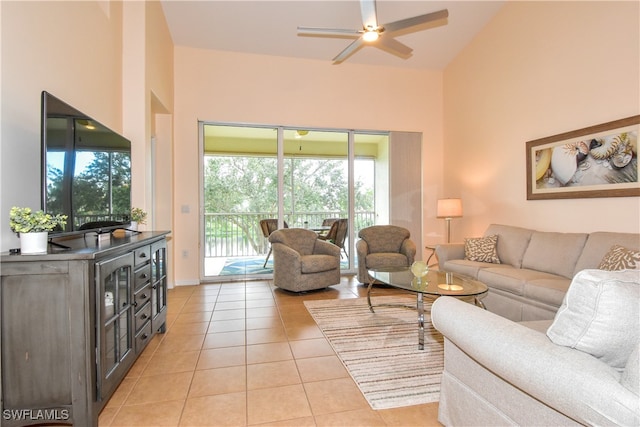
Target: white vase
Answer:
[[133, 226], [33, 243]]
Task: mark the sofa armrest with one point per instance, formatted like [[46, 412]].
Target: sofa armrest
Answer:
[[570, 381], [448, 251]]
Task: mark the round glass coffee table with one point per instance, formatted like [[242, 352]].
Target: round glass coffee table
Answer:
[[433, 285]]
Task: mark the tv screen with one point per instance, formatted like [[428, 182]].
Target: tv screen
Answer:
[[86, 170]]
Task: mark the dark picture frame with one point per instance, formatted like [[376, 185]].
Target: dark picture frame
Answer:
[[597, 161]]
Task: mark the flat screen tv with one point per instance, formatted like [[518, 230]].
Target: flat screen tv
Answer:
[[86, 170]]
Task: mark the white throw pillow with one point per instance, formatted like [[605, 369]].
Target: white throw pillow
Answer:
[[600, 315]]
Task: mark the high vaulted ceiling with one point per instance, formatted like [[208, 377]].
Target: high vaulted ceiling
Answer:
[[270, 28]]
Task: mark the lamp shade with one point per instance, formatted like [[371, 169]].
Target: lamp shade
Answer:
[[449, 208]]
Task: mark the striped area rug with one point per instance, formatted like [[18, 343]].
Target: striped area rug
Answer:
[[380, 350]]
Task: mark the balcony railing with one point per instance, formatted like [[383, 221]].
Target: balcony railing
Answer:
[[239, 234]]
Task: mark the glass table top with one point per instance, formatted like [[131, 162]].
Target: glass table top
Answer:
[[434, 283]]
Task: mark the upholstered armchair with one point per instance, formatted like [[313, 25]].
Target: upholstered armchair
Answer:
[[302, 262], [383, 246]]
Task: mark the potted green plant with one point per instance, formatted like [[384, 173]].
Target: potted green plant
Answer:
[[33, 227], [138, 217]]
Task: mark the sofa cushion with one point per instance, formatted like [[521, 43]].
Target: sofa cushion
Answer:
[[620, 258], [599, 243], [555, 253], [512, 242], [599, 315], [511, 279], [469, 268], [482, 249], [549, 290]]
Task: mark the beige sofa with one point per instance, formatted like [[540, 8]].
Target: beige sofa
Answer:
[[579, 369], [535, 269]]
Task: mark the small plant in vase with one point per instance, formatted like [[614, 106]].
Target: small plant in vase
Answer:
[[138, 217], [33, 227]]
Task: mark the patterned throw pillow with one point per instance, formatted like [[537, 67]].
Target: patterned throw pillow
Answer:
[[482, 249], [620, 258]]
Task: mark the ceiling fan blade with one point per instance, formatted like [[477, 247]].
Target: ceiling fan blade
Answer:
[[404, 24], [368, 10], [350, 50], [328, 32], [393, 46]]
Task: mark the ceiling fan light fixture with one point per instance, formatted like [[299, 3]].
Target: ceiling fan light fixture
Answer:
[[370, 32], [300, 133], [370, 35]]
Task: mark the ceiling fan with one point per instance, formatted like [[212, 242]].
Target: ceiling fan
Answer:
[[380, 36]]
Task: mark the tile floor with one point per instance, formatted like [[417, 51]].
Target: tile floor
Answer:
[[247, 354]]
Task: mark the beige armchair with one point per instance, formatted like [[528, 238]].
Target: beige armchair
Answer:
[[302, 262], [383, 246]]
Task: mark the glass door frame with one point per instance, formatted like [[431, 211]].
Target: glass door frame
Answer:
[[281, 158]]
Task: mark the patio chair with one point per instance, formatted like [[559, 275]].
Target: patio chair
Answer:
[[338, 234], [302, 261], [383, 246], [268, 226], [327, 222]]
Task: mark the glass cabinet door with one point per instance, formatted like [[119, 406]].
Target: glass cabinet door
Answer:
[[114, 338], [158, 285]]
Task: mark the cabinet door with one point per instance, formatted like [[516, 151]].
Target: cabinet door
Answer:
[[36, 335], [115, 338], [159, 285]]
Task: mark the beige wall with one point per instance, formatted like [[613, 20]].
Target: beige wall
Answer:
[[89, 54], [538, 69], [232, 87], [72, 52]]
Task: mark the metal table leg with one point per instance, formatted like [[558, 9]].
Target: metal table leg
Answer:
[[369, 294], [478, 300], [420, 307]]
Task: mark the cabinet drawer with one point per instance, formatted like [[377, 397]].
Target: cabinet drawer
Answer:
[[143, 315], [143, 337], [142, 255], [141, 276], [141, 297]]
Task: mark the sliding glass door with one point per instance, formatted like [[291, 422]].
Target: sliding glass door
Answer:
[[239, 189], [297, 177]]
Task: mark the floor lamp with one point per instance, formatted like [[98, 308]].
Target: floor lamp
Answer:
[[448, 209]]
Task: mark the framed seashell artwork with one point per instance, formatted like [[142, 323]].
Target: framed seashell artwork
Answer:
[[598, 161]]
